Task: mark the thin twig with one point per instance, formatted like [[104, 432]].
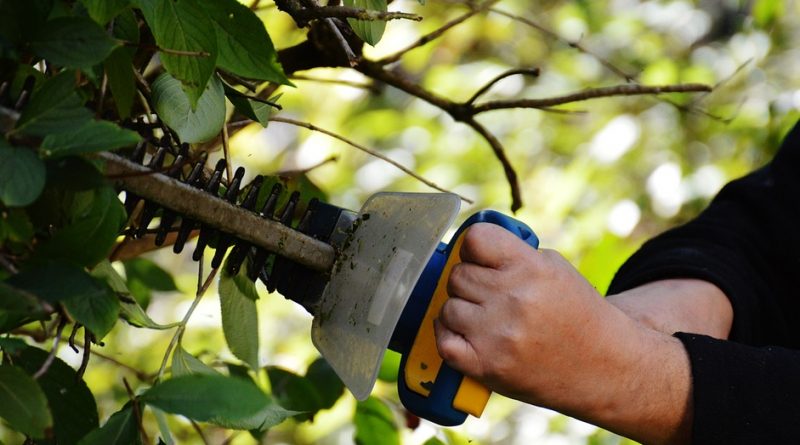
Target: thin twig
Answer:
[[87, 349], [346, 12], [202, 287], [362, 85], [136, 412], [101, 99], [533, 72], [62, 322], [303, 171], [436, 33], [348, 52], [75, 328], [367, 150], [571, 43], [592, 93], [141, 375], [199, 431], [8, 265], [500, 153], [226, 155]]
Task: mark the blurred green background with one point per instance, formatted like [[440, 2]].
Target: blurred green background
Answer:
[[596, 181]]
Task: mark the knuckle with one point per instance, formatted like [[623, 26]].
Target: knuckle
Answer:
[[473, 239]]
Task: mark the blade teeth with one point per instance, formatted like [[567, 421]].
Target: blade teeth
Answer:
[[260, 261]]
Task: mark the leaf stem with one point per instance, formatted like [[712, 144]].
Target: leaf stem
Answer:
[[202, 287], [62, 322]]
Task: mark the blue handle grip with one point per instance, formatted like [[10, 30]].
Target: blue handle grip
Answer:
[[438, 405]]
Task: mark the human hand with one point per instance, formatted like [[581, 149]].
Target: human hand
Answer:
[[521, 321], [526, 324]]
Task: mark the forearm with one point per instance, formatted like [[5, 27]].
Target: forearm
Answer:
[[678, 305], [635, 381]]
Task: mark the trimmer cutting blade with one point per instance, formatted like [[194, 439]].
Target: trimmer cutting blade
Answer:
[[374, 274]]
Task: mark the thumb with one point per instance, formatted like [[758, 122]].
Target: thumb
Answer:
[[456, 350]]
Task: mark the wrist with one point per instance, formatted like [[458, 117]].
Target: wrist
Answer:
[[635, 382]]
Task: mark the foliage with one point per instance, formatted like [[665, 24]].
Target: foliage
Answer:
[[441, 97]]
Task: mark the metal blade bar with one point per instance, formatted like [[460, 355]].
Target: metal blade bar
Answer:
[[218, 213]]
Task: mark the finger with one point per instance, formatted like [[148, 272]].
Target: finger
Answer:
[[472, 282], [460, 316], [489, 245], [455, 350]]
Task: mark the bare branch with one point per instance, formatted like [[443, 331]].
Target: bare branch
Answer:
[[351, 56], [367, 150], [571, 43], [136, 411], [500, 153], [436, 33], [87, 349], [592, 93], [533, 72], [346, 12], [62, 322], [303, 171], [362, 85]]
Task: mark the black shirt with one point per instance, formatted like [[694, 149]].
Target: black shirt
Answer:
[[747, 242]]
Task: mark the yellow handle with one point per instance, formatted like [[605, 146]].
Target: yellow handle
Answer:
[[423, 361]]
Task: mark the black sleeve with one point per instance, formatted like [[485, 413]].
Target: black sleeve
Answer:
[[747, 242]]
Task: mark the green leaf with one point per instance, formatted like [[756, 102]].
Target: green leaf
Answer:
[[129, 309], [183, 25], [95, 215], [18, 307], [73, 42], [198, 125], [16, 226], [329, 386], [73, 173], [226, 401], [144, 275], [97, 311], [184, 363], [53, 108], [63, 281], [24, 404], [88, 300], [102, 11], [434, 441], [294, 392], [258, 111], [369, 31], [20, 21], [12, 345], [149, 273], [121, 80], [375, 424], [70, 401], [244, 46], [120, 429], [93, 136], [390, 366], [22, 175], [237, 296]]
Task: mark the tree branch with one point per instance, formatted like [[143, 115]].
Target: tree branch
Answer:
[[571, 43], [346, 12], [593, 93], [437, 32], [533, 72], [367, 150]]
